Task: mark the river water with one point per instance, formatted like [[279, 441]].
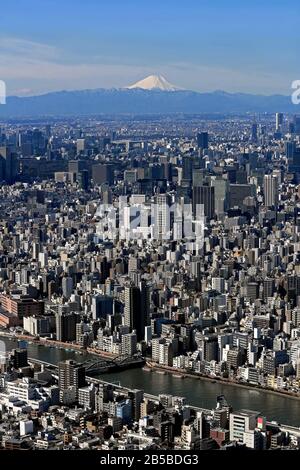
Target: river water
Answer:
[[198, 392]]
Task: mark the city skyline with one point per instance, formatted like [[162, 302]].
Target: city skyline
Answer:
[[149, 230]]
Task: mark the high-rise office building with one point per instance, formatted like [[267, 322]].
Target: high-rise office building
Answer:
[[71, 374], [295, 167], [136, 397], [102, 305], [187, 168], [238, 192], [48, 131], [254, 130], [38, 141], [129, 342], [202, 140], [83, 179], [297, 125], [67, 286], [279, 121], [19, 358], [137, 309], [204, 195], [8, 165], [293, 155], [271, 190], [221, 188], [80, 145], [66, 326], [76, 166], [290, 149], [103, 173], [161, 217]]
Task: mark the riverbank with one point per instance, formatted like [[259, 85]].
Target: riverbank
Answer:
[[153, 366], [251, 387], [51, 343], [199, 393]]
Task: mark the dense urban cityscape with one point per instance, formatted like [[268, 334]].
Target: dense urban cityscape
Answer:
[[149, 233], [169, 244]]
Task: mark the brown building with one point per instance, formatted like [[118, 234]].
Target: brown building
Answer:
[[15, 307], [220, 435]]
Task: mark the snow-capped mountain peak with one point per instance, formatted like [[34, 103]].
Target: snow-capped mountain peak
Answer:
[[154, 82]]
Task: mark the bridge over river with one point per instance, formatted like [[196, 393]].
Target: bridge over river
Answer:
[[100, 365]]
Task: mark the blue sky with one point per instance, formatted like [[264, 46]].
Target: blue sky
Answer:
[[232, 45]]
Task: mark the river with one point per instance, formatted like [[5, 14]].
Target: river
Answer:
[[198, 392]]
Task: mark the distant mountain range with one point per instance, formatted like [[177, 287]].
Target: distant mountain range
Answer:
[[153, 95]]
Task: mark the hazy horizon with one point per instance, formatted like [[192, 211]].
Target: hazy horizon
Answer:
[[198, 46], [28, 94]]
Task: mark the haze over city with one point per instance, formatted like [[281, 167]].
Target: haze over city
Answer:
[[149, 231]]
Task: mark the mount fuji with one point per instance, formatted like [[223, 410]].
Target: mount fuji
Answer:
[[152, 95], [154, 82]]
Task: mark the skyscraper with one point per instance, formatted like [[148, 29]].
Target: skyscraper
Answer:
[[8, 165], [279, 121], [80, 145], [67, 286], [202, 140], [161, 218], [102, 305], [293, 155], [270, 190], [77, 166], [254, 132], [19, 358], [204, 195], [137, 309], [290, 150], [71, 374], [129, 344], [66, 326], [187, 168], [221, 188], [297, 124], [103, 173]]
